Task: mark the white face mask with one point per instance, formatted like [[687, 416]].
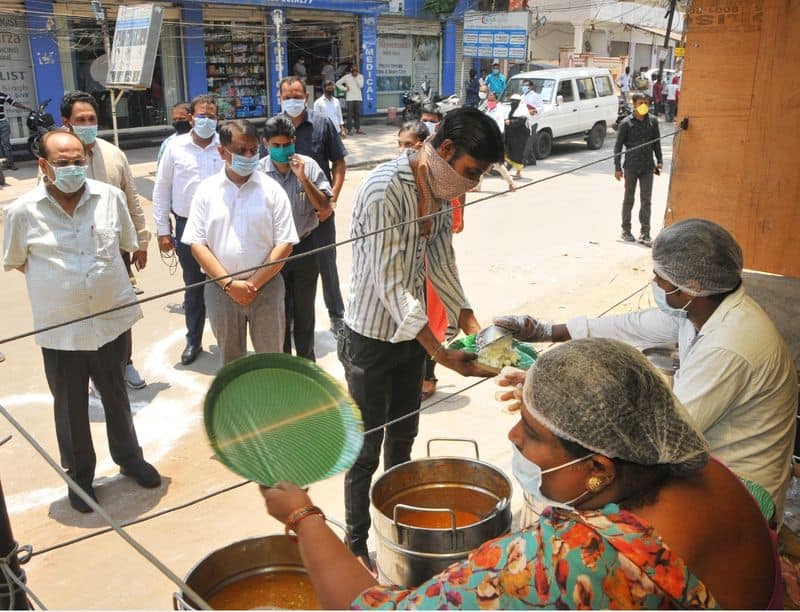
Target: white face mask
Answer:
[[292, 107], [529, 475], [483, 94]]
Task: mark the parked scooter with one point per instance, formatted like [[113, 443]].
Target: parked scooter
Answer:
[[445, 105], [623, 111], [39, 122]]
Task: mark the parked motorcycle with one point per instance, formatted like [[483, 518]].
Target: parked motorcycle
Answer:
[[445, 105], [412, 105], [623, 111], [39, 122]]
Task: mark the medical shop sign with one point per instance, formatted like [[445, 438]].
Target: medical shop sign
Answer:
[[496, 35]]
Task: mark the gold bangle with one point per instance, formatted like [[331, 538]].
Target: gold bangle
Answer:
[[297, 516], [436, 352]]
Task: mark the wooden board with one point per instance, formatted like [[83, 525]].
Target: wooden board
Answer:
[[737, 163]]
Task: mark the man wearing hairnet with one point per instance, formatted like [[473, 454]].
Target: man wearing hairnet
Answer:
[[736, 378]]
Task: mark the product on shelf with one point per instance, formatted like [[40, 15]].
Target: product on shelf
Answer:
[[236, 72]]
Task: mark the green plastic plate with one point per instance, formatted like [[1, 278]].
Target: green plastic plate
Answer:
[[527, 354], [272, 417]]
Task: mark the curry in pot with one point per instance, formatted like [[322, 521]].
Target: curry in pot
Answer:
[[288, 590]]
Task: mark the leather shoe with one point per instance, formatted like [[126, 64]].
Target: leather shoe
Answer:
[[190, 353], [77, 503], [143, 473]]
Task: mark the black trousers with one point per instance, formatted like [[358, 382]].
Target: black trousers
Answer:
[[645, 180], [354, 114], [324, 235], [385, 380], [300, 278], [68, 375], [194, 304]]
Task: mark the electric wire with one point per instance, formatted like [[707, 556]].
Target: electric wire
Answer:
[[291, 258], [75, 488]]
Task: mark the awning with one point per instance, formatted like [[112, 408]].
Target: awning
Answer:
[[676, 36]]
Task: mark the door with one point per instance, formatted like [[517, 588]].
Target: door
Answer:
[[565, 119], [588, 103]]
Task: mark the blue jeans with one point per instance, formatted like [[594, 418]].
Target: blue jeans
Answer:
[[194, 303]]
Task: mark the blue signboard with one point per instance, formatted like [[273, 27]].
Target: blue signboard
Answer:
[[369, 41], [496, 35]]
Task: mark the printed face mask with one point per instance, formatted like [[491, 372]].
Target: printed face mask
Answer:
[[205, 127], [87, 133], [529, 475], [445, 182]]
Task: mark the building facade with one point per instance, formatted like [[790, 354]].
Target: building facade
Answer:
[[238, 50]]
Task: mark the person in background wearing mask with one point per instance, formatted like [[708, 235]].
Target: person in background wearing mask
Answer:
[[737, 378], [471, 89], [386, 336], [181, 124], [634, 131], [483, 94], [190, 159], [309, 193], [496, 81], [431, 117], [65, 236], [516, 134], [240, 219], [411, 135], [535, 107], [300, 70], [328, 105], [637, 514], [107, 163], [498, 114], [352, 84], [317, 137]]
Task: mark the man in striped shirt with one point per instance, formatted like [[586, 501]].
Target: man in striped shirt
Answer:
[[386, 336]]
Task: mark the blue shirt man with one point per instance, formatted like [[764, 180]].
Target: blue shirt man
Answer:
[[496, 81]]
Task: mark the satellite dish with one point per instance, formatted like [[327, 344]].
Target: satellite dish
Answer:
[[99, 69]]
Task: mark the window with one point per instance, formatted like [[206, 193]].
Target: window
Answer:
[[604, 86], [544, 87], [565, 91], [586, 88]]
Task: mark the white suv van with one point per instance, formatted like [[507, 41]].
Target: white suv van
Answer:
[[577, 102]]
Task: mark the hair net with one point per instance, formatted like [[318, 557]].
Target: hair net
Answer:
[[607, 397], [699, 257]]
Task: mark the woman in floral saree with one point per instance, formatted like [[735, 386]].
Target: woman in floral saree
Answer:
[[637, 516]]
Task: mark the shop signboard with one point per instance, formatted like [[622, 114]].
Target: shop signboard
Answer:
[[136, 35], [496, 35], [369, 40], [394, 63], [16, 71]]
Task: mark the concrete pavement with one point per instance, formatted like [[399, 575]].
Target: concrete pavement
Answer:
[[550, 249]]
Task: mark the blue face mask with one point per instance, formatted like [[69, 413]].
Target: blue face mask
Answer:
[[242, 165], [660, 296], [495, 71], [525, 89], [281, 155], [87, 133], [529, 475], [69, 179], [205, 127], [292, 107]]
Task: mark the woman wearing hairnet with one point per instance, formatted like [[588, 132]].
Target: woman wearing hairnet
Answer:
[[637, 516], [737, 378]]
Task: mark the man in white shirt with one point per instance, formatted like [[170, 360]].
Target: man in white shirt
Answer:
[[386, 336], [186, 162], [181, 123], [65, 236], [310, 196], [109, 164], [624, 83], [240, 219], [353, 83], [736, 377], [328, 105], [672, 98]]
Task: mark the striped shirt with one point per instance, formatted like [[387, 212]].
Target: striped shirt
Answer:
[[387, 287]]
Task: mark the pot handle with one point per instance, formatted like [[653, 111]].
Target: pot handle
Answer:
[[467, 440], [179, 603], [421, 509]]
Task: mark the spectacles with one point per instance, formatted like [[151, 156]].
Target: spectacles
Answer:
[[66, 163]]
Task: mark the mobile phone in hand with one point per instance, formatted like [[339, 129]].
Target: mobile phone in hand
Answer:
[[657, 171]]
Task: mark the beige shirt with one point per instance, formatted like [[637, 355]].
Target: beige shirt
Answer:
[[72, 265], [108, 164]]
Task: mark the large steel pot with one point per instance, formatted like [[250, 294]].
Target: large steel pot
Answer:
[[237, 561], [665, 360], [407, 554]]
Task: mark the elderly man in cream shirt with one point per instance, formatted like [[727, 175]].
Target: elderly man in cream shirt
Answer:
[[736, 377]]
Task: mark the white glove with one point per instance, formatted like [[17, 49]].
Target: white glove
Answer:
[[526, 328]]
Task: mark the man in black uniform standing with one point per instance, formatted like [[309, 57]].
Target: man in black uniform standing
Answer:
[[634, 131]]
